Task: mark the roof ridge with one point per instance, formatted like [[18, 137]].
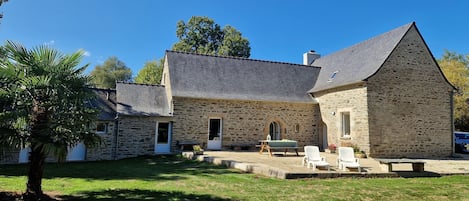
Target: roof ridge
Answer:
[[134, 83], [102, 89], [242, 58]]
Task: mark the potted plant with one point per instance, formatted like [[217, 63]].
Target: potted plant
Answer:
[[198, 150], [358, 152], [332, 148]]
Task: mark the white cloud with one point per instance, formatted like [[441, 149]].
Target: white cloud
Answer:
[[85, 53], [50, 43]]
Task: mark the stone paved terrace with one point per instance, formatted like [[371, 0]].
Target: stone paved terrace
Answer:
[[289, 166]]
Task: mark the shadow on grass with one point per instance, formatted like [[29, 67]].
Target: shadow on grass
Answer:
[[14, 196], [165, 167], [136, 195], [121, 194], [411, 174]]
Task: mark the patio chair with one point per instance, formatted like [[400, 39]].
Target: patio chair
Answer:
[[312, 157], [347, 159]]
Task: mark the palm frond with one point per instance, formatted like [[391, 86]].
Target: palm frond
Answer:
[[58, 86], [18, 52]]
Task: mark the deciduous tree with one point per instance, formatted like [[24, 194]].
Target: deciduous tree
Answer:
[[455, 67], [202, 35], [151, 72], [1, 2], [43, 96], [110, 72]]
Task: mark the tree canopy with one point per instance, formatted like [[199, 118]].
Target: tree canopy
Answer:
[[110, 72], [43, 96], [202, 35], [151, 72], [455, 67], [1, 2]]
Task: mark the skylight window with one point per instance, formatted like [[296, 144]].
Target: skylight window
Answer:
[[334, 74]]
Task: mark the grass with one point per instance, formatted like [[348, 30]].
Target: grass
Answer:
[[174, 178]]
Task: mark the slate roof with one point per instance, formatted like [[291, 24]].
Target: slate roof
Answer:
[[141, 100], [358, 62], [106, 103], [216, 77]]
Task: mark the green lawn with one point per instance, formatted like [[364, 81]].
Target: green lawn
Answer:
[[174, 178]]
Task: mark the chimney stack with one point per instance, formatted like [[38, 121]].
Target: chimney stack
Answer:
[[309, 57]]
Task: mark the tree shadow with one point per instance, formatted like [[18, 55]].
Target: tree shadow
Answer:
[[15, 196], [148, 168], [140, 195], [121, 194]]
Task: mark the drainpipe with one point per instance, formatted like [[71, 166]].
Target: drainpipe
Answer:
[[116, 132], [451, 98]]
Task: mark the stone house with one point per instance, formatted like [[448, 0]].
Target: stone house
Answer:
[[386, 95]]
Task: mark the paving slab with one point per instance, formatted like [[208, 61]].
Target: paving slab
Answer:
[[290, 166]]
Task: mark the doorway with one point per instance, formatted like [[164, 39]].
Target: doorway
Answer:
[[214, 134], [275, 131], [325, 143], [163, 137], [77, 152]]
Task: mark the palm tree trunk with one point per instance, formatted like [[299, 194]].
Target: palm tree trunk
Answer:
[[37, 157], [36, 170]]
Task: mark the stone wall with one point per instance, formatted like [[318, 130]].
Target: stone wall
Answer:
[[136, 136], [244, 122], [352, 99], [9, 155], [106, 150], [409, 104]]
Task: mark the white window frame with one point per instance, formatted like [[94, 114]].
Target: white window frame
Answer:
[[345, 124], [106, 128], [220, 134]]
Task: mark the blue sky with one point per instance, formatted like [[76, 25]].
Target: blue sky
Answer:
[[139, 31]]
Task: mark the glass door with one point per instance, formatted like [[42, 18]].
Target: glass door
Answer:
[[214, 134], [274, 131], [163, 137]]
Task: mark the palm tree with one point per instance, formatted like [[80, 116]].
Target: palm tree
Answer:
[[43, 105]]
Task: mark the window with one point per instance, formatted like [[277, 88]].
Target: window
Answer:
[[101, 128], [163, 133], [274, 131], [345, 124], [297, 128], [333, 76]]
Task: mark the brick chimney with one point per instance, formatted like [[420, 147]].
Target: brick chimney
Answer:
[[309, 57]]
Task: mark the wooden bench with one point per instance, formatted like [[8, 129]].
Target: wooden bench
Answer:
[[184, 144], [417, 166]]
